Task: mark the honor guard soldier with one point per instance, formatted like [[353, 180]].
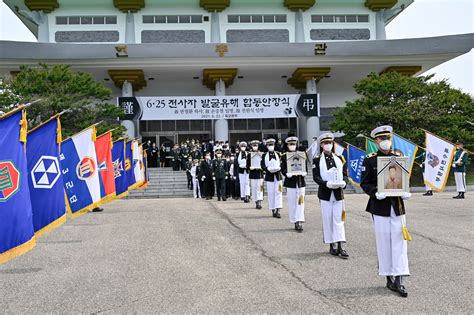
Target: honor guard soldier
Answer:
[[206, 177], [220, 174], [271, 164], [459, 167], [241, 170], [194, 173], [188, 166], [256, 176], [387, 216], [176, 161], [295, 186], [329, 171], [184, 153]]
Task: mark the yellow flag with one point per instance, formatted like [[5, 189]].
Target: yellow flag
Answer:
[[59, 135]]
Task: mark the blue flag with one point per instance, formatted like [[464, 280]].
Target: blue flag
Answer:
[[17, 235], [80, 172], [355, 157], [118, 160], [45, 179], [406, 147], [129, 169]]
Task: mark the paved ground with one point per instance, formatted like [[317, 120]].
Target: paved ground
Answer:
[[187, 255]]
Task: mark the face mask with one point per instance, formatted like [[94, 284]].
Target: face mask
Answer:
[[328, 147], [271, 148], [242, 149], [232, 158], [385, 145], [218, 155], [255, 147], [292, 147], [208, 157]]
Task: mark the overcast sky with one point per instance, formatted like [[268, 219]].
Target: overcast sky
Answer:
[[424, 18]]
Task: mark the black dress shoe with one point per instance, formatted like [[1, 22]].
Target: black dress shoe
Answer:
[[296, 226], [428, 193], [390, 284], [333, 250], [458, 196], [98, 209], [224, 199], [207, 198], [400, 287], [300, 227], [342, 250], [274, 213], [259, 205], [218, 198], [278, 215]]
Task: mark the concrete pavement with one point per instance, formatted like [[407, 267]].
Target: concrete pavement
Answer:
[[188, 255]]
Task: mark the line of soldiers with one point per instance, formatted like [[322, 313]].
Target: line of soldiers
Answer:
[[245, 173]]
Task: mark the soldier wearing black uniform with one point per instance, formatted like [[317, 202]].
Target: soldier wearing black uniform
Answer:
[[184, 153], [188, 166], [387, 217], [205, 174], [195, 153], [176, 161], [220, 174]]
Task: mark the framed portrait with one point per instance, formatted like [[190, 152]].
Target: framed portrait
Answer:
[[393, 177], [296, 162], [255, 159]]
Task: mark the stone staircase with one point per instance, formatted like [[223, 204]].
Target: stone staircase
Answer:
[[166, 183]]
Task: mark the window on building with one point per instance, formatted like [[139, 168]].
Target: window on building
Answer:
[[240, 124], [197, 125], [182, 125], [268, 123], [85, 20], [363, 18], [148, 19], [154, 125], [254, 124], [74, 20], [172, 19], [339, 18], [98, 20], [257, 18], [61, 20], [168, 125]]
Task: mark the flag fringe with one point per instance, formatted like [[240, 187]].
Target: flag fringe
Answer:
[[18, 250]]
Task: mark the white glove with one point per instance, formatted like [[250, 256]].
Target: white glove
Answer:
[[226, 177], [380, 196], [343, 184], [330, 185], [304, 174], [213, 178], [234, 177], [289, 175], [406, 196]]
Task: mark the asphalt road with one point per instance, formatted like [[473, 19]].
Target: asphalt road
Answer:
[[188, 255]]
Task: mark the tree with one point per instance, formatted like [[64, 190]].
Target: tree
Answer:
[[59, 89], [409, 104]]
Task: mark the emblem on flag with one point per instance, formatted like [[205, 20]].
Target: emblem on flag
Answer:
[[432, 160], [45, 173], [103, 165], [118, 167], [86, 168], [128, 165], [9, 180], [354, 164]]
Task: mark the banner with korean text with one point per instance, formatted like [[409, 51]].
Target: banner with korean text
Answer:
[[438, 159], [220, 107]]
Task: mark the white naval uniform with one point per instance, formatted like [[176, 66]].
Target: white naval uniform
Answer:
[[257, 189], [196, 188], [295, 209], [391, 247], [460, 178], [243, 178], [274, 188], [331, 211]]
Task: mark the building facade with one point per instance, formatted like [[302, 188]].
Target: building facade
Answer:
[[225, 47]]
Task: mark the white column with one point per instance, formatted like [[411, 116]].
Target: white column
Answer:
[[312, 123], [380, 25], [130, 28], [127, 91], [215, 28], [299, 27], [221, 127]]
